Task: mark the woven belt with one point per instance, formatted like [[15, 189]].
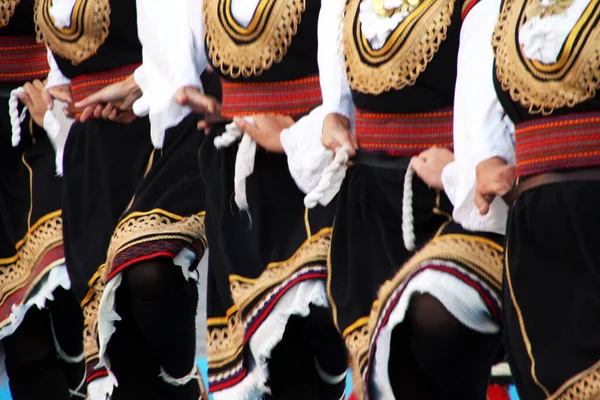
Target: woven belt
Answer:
[[582, 175], [22, 59], [380, 160]]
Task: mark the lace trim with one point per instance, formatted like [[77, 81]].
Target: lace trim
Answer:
[[539, 87], [250, 51], [7, 9], [585, 385], [225, 335], [406, 53], [477, 255], [90, 306], [89, 29]]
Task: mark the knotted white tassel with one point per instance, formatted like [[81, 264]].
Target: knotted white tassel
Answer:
[[408, 229], [15, 119], [244, 161], [57, 127], [330, 181]]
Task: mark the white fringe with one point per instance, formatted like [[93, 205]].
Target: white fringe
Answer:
[[408, 229], [330, 181], [15, 119], [295, 302], [194, 374], [107, 316], [244, 161]]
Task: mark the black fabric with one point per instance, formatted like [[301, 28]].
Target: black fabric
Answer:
[[31, 363], [433, 356], [300, 59], [122, 46], [21, 23], [367, 246], [103, 164], [552, 287]]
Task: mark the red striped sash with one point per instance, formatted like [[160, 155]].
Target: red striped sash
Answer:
[[403, 134], [22, 59], [293, 98], [553, 143], [85, 85]]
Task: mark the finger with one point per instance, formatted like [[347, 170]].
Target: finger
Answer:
[[481, 202], [201, 125], [98, 111], [48, 99], [418, 164], [246, 126], [346, 142], [38, 85], [64, 94], [108, 109], [354, 142], [113, 115], [25, 99], [181, 97], [87, 113]]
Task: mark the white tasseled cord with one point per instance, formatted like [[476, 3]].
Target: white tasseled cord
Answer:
[[15, 119], [330, 181], [408, 229], [244, 161]]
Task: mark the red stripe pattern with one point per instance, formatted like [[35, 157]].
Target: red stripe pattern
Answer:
[[85, 85], [403, 134], [294, 98], [549, 144], [22, 59]]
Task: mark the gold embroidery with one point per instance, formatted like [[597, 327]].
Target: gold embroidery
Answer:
[[226, 342], [236, 50], [542, 88], [90, 22], [406, 52], [90, 307], [45, 235], [140, 227], [7, 9], [479, 255], [585, 385]]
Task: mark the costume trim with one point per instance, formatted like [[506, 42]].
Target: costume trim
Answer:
[[90, 306], [474, 260], [539, 87], [7, 9], [293, 98], [254, 299], [37, 253], [87, 84], [585, 385], [89, 28], [403, 134], [406, 53], [249, 51], [548, 144], [156, 233], [22, 59]]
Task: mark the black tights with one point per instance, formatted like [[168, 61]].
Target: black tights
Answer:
[[158, 329], [292, 373], [434, 357], [31, 363]]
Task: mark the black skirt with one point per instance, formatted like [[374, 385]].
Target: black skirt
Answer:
[[370, 266], [552, 292], [275, 248]]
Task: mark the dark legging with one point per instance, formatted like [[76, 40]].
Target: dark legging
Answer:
[[157, 332], [434, 357], [32, 365], [292, 373]]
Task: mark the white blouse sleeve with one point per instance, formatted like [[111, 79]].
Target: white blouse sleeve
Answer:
[[307, 158], [481, 128], [55, 76], [172, 58]]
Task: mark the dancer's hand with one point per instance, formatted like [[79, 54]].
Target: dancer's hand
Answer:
[[32, 98], [429, 165], [198, 101], [113, 102], [266, 130], [62, 93], [336, 134], [494, 178]]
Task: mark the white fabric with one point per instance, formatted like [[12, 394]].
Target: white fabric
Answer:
[[57, 126], [375, 28], [243, 11], [481, 128], [172, 58], [296, 301], [543, 38], [16, 118], [461, 300], [61, 11], [55, 76]]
